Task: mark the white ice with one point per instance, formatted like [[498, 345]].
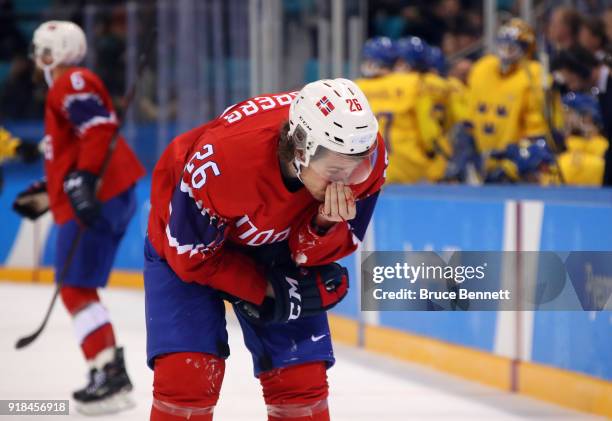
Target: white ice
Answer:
[[364, 387]]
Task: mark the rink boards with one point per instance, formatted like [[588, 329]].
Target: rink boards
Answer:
[[568, 348], [564, 356]]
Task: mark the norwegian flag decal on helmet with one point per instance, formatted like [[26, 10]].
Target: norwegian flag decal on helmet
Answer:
[[325, 105]]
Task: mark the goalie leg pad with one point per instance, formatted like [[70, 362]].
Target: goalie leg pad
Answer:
[[296, 393], [186, 385]]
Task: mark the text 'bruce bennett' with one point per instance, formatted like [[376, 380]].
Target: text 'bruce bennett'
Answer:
[[425, 294]]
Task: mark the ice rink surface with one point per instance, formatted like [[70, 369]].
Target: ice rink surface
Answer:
[[364, 387]]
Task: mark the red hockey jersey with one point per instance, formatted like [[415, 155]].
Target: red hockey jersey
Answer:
[[221, 183], [79, 124]]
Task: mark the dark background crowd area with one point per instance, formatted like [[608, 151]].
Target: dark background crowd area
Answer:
[[454, 25], [22, 90]]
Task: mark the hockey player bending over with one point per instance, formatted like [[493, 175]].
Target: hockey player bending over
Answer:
[[255, 207], [79, 124]]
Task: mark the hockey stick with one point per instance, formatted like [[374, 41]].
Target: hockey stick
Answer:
[[547, 111], [127, 101]]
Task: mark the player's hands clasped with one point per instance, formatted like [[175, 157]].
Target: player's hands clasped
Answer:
[[339, 205], [298, 292]]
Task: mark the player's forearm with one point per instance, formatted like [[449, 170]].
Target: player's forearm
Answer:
[[311, 248]]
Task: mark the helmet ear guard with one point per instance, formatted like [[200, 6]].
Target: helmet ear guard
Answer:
[[300, 137], [302, 157]]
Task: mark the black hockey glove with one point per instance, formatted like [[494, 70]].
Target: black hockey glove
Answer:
[[80, 186], [298, 292], [32, 202]]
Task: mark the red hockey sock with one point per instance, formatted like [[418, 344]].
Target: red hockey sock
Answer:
[[186, 386], [296, 393], [91, 321]]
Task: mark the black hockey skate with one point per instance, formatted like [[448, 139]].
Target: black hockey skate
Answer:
[[108, 390]]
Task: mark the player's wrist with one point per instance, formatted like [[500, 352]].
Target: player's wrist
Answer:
[[80, 187], [320, 225]]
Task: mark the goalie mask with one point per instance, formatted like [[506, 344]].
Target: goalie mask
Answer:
[[515, 41], [58, 43], [334, 131]]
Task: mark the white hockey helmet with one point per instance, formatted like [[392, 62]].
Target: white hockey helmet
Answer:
[[59, 43], [335, 130]]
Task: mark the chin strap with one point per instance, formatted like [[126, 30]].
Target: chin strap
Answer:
[[48, 77], [297, 166]]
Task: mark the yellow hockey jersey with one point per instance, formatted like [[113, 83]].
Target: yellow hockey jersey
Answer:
[[8, 144], [410, 109], [505, 108], [458, 102], [583, 163]]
